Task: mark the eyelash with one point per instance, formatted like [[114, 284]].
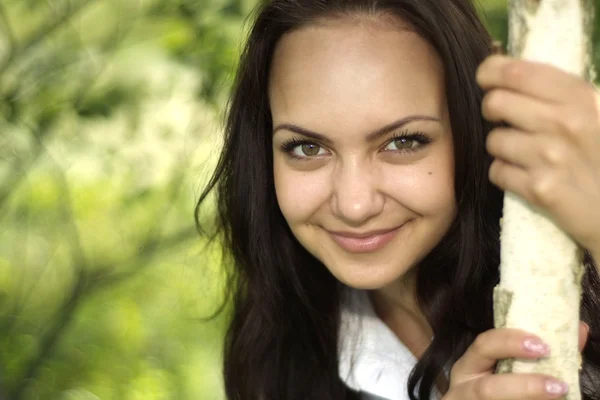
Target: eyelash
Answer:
[[289, 145], [417, 136]]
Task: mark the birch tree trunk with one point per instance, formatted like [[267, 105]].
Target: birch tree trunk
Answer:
[[541, 267]]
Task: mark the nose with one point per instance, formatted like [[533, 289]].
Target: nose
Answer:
[[356, 196]]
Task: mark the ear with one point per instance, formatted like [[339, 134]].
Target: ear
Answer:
[[584, 331]]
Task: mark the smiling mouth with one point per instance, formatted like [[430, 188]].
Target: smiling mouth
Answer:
[[366, 242]]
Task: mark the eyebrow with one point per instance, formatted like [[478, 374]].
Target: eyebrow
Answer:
[[371, 137]]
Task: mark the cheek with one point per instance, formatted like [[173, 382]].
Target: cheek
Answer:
[[440, 192], [299, 194], [426, 188], [441, 175]]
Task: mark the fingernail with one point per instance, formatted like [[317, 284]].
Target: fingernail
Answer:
[[556, 387], [536, 346]]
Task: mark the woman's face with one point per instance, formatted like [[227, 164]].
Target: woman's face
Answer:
[[362, 147]]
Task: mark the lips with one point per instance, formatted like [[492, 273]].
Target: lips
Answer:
[[364, 242]]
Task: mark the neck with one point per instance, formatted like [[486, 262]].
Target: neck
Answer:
[[397, 307]]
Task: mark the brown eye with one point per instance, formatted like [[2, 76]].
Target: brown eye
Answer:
[[310, 149]]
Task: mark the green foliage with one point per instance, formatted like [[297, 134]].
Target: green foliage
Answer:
[[107, 118]]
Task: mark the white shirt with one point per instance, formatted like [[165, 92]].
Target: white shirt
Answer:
[[372, 359]]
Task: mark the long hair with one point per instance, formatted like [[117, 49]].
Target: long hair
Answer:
[[283, 337]]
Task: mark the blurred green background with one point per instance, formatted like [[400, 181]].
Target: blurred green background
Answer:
[[110, 117]]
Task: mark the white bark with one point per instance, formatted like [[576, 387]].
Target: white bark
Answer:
[[541, 267]]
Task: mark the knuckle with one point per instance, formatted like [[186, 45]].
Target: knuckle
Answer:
[[571, 124], [543, 190], [554, 154]]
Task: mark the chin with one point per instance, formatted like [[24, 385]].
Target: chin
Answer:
[[368, 277]]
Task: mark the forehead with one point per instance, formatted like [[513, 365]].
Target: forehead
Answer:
[[346, 69]]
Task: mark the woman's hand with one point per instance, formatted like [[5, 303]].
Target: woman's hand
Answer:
[[550, 154], [472, 376]]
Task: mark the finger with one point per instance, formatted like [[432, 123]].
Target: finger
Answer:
[[497, 344], [512, 146], [529, 78], [513, 387], [511, 178], [584, 330], [518, 110]]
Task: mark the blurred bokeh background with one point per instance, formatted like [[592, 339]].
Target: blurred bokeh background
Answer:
[[110, 117]]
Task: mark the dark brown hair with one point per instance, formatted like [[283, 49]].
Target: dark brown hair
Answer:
[[282, 340]]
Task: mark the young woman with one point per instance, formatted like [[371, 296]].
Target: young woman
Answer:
[[359, 196]]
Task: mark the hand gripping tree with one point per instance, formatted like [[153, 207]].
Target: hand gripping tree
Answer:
[[541, 267]]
